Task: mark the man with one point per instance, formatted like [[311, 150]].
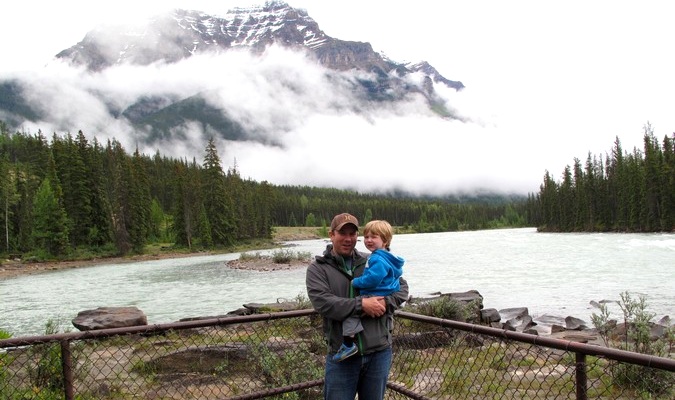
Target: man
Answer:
[[330, 291]]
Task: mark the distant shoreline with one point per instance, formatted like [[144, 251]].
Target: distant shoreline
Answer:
[[13, 269], [16, 268]]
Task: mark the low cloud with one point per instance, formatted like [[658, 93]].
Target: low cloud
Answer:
[[321, 133]]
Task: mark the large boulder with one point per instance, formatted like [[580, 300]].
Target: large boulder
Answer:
[[575, 324], [518, 319], [490, 316], [109, 317]]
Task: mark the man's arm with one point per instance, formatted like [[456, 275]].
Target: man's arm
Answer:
[[376, 306], [396, 299]]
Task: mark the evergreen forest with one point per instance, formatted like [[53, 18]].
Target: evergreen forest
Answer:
[[70, 197], [624, 192]]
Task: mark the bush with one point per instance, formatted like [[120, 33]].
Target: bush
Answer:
[[47, 373], [285, 256], [637, 338], [445, 307]]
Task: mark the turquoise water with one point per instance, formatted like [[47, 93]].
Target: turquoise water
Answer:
[[551, 274]]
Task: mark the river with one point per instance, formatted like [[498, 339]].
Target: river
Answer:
[[552, 274]]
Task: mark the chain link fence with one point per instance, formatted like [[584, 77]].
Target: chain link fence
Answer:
[[281, 355], [445, 359]]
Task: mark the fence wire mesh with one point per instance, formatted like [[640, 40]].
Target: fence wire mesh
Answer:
[[282, 356], [437, 362]]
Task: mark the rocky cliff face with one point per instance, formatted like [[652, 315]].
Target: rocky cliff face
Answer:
[[184, 33]]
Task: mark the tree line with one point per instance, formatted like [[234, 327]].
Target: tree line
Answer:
[[71, 195], [625, 192]]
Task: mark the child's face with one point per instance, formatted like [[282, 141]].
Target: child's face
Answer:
[[372, 241]]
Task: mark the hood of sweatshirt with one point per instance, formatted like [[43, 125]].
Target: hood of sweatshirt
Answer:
[[396, 261]]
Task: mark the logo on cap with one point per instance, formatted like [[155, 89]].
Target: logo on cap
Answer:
[[343, 219]]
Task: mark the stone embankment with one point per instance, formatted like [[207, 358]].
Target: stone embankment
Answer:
[[512, 319]]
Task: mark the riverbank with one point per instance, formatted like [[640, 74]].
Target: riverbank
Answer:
[[15, 268]]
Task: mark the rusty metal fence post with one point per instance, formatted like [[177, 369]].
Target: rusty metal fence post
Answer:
[[67, 366], [581, 376]]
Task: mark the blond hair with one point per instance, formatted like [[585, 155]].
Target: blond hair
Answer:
[[382, 229]]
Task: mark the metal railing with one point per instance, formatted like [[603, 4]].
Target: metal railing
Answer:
[[452, 359], [282, 355]]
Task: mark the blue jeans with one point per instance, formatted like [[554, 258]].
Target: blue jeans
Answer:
[[366, 375]]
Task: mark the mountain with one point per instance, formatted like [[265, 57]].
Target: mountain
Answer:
[[373, 80]]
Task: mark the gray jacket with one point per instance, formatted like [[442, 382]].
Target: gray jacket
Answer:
[[330, 291]]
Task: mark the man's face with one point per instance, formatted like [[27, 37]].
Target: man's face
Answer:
[[344, 240]]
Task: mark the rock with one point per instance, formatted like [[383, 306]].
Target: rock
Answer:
[[665, 321], [464, 297], [527, 323], [514, 318], [550, 320], [467, 297], [489, 315], [575, 324], [657, 331], [580, 337], [109, 317], [520, 323], [260, 308], [517, 312], [549, 324]]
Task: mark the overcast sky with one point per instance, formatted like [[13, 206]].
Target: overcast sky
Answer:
[[545, 82]]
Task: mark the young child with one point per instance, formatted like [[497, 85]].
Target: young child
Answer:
[[380, 278]]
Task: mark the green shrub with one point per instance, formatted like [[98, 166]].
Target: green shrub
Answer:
[[446, 307], [636, 318], [47, 372], [285, 256]]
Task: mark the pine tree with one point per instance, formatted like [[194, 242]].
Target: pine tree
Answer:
[[617, 187], [8, 199], [668, 185], [217, 200], [117, 187], [139, 203], [50, 223], [187, 204], [99, 231], [550, 206], [181, 221], [72, 174]]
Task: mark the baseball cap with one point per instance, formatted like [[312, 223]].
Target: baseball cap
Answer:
[[343, 219]]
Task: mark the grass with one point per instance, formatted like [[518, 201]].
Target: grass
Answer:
[[287, 233]]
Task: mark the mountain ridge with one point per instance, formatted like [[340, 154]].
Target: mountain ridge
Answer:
[[181, 34]]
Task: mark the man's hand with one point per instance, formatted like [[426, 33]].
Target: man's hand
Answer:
[[373, 306]]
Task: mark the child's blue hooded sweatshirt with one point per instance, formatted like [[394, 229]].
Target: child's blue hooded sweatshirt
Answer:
[[381, 275]]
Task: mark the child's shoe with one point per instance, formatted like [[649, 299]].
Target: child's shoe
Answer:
[[345, 352]]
